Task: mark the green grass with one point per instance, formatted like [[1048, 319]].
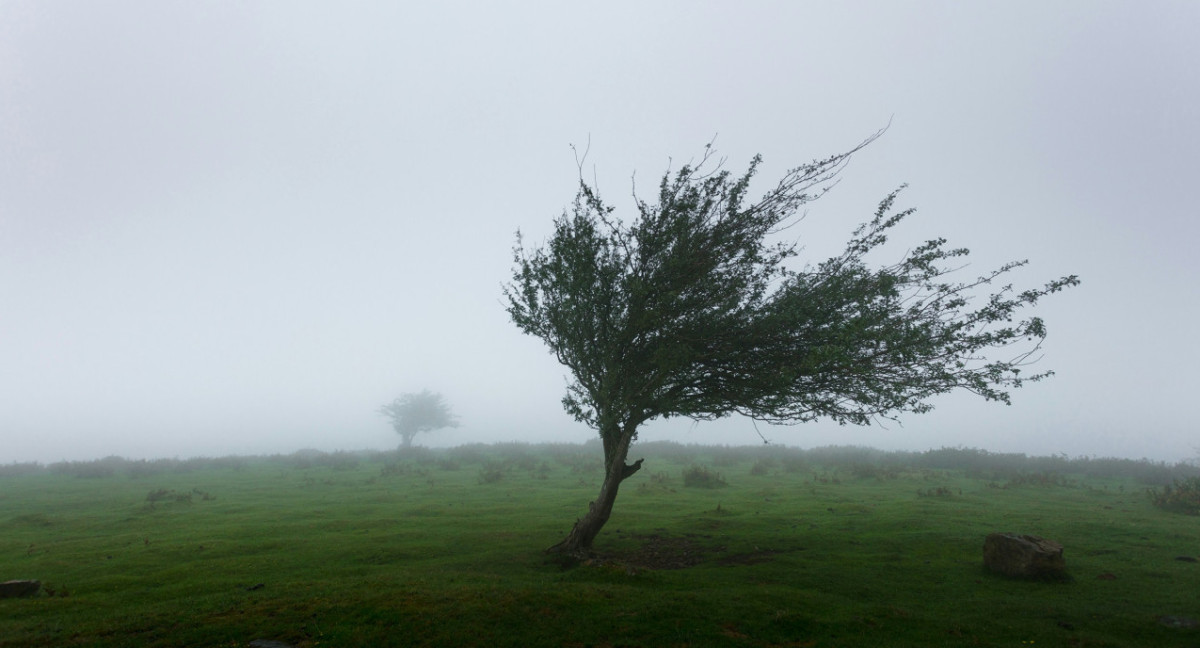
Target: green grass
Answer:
[[439, 551]]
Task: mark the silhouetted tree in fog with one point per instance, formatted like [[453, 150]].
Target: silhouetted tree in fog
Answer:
[[414, 413], [689, 310]]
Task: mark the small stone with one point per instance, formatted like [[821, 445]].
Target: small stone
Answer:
[[1178, 622], [1190, 559], [17, 588], [269, 643]]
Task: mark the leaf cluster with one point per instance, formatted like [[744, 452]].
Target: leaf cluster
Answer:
[[692, 310], [1180, 496], [417, 412]]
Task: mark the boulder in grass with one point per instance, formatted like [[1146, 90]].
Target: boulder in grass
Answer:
[[1024, 556], [15, 588]]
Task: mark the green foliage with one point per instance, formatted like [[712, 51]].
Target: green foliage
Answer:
[[1039, 479], [491, 472], [694, 308], [702, 477], [414, 413], [763, 466], [936, 491], [690, 311], [1178, 496], [19, 469]]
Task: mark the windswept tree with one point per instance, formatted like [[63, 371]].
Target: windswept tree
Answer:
[[414, 413], [691, 309]]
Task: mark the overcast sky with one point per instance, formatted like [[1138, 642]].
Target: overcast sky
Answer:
[[241, 227]]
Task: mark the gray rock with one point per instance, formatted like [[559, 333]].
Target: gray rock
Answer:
[[15, 588], [1024, 556], [269, 643]]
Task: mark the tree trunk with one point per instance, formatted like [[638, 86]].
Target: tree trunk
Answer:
[[579, 541]]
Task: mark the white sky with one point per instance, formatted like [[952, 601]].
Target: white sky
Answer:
[[240, 227]]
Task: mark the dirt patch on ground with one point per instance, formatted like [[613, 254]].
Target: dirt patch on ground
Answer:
[[654, 551], [750, 558], [658, 551], [664, 551], [661, 550]]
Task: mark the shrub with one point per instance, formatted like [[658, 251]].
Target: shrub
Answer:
[[416, 454], [582, 464], [394, 469], [940, 491], [1178, 496], [523, 462], [794, 464], [96, 469], [701, 477], [20, 469], [468, 454], [491, 472], [871, 471], [341, 461], [143, 468], [168, 495], [726, 457], [1040, 479], [160, 494], [762, 466]]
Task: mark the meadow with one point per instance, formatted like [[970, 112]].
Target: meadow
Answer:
[[707, 546]]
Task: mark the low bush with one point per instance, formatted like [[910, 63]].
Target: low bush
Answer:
[[20, 469], [702, 477], [1040, 479], [471, 453], [794, 464], [939, 491], [871, 471], [168, 495], [763, 466], [491, 472], [1178, 496]]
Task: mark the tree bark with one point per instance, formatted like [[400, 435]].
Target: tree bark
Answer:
[[579, 541]]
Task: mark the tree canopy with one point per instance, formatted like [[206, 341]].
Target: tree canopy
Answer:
[[693, 309], [414, 413]]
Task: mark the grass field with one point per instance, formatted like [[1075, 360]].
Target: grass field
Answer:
[[841, 547]]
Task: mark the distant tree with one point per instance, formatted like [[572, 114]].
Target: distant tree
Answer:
[[691, 311], [414, 413]]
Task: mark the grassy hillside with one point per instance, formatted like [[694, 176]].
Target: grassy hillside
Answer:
[[830, 547]]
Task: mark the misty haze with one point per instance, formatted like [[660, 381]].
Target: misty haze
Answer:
[[419, 288]]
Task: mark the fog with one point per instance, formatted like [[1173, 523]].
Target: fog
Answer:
[[241, 227]]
